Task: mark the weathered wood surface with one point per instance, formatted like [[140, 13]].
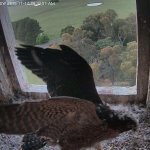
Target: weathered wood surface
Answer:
[[5, 86], [9, 44], [15, 74], [143, 21]]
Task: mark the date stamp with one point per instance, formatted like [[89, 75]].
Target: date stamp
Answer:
[[27, 3]]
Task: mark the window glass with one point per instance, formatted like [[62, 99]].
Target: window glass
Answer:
[[101, 31]]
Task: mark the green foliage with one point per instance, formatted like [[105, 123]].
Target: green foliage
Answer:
[[80, 43], [118, 64], [124, 30], [129, 63], [42, 38], [50, 18], [68, 29], [108, 19], [110, 62], [100, 24], [93, 24], [106, 51], [26, 30], [105, 42], [73, 12], [104, 28], [106, 24]]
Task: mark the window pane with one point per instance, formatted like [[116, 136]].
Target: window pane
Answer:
[[102, 31]]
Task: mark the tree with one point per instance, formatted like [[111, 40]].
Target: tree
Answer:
[[92, 23], [108, 19], [42, 38], [110, 61], [105, 42], [124, 30], [68, 29], [129, 63], [27, 30], [66, 39], [80, 43], [100, 24]]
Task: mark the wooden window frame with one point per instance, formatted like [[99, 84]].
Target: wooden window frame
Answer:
[[138, 93]]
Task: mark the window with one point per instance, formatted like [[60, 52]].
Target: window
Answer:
[[117, 91]]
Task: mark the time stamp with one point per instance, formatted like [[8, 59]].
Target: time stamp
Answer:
[[31, 3]]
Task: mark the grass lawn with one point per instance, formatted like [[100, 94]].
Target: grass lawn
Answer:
[[33, 79], [67, 12]]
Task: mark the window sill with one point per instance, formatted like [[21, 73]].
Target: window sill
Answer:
[[117, 90]]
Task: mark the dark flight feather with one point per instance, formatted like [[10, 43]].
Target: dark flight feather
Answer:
[[66, 72]]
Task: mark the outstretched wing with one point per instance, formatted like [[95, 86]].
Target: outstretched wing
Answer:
[[29, 57], [65, 72]]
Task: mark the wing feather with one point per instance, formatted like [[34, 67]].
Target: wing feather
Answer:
[[65, 71]]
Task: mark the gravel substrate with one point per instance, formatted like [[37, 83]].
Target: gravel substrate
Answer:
[[131, 140]]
